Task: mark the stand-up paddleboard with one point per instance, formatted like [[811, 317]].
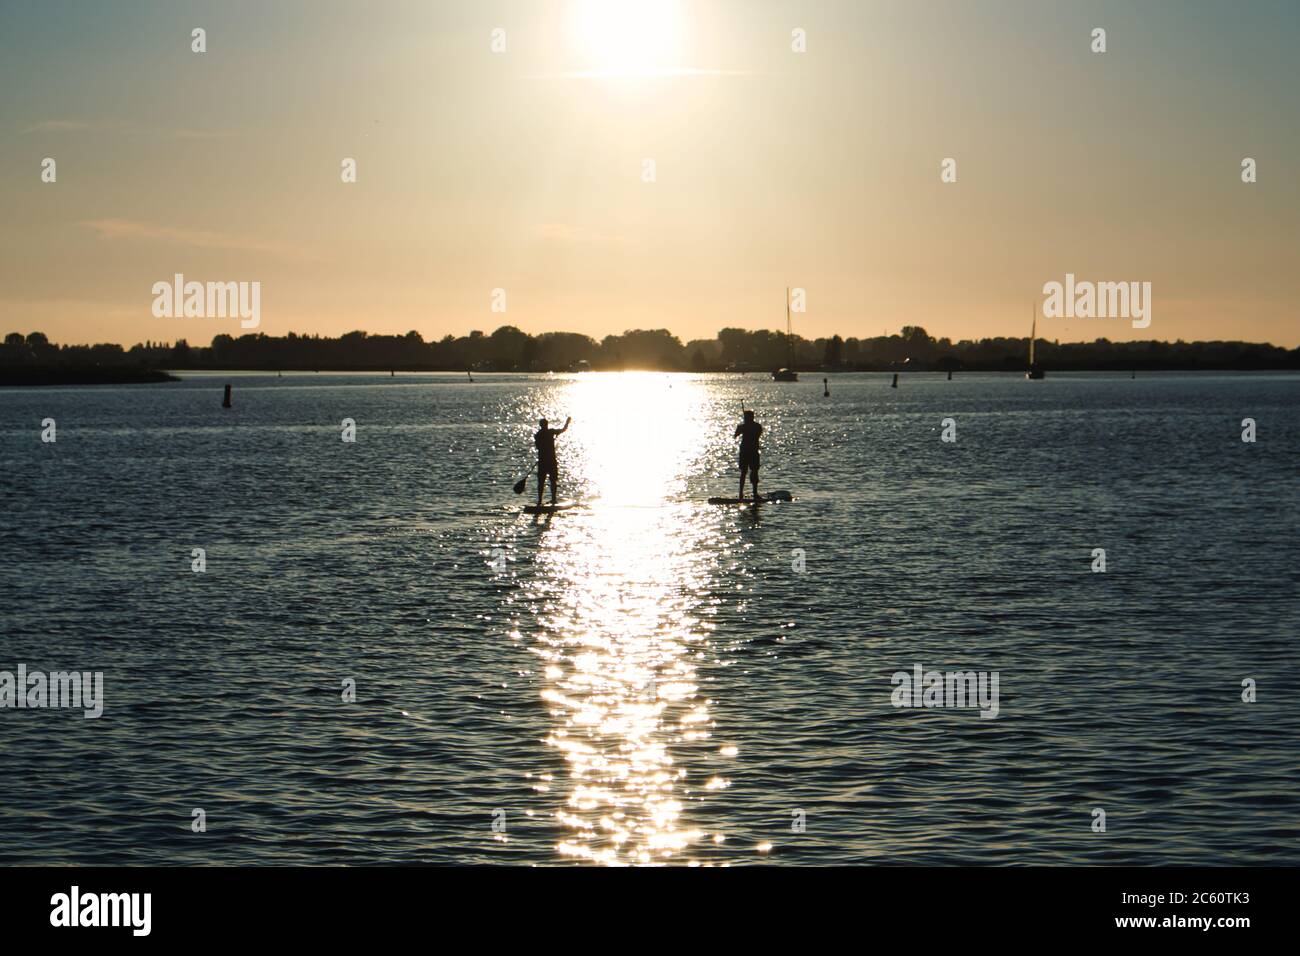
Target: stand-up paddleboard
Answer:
[[549, 509], [770, 496]]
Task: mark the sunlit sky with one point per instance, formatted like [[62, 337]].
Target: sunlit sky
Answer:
[[523, 170]]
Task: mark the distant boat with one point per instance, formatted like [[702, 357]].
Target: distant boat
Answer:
[[787, 374], [1034, 372]]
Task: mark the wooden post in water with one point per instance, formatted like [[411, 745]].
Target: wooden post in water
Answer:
[[895, 382], [225, 402], [826, 384], [950, 375]]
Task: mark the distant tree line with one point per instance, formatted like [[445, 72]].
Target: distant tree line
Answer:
[[510, 350]]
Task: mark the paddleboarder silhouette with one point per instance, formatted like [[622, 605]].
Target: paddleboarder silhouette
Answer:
[[547, 464], [748, 431]]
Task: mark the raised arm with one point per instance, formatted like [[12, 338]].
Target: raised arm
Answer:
[[566, 426]]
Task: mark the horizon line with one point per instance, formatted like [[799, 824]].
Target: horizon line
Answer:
[[254, 333]]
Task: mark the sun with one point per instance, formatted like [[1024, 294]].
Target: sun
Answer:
[[628, 37]]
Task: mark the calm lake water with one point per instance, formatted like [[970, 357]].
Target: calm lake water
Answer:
[[649, 678]]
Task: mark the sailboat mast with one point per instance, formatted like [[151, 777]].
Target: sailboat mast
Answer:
[[789, 329], [1033, 332]]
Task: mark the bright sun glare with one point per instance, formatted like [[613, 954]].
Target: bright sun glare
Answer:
[[628, 37]]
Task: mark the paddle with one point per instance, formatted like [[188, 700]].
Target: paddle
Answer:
[[742, 419], [522, 483]]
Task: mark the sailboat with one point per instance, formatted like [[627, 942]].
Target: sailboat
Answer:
[[787, 374], [1034, 371]]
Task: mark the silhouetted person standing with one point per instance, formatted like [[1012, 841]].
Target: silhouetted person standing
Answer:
[[748, 432], [547, 465]]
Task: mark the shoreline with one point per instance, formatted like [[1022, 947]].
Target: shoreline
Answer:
[[40, 378], [19, 376]]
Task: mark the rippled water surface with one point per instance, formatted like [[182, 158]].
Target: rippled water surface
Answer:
[[649, 678]]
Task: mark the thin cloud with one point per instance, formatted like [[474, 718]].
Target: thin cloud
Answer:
[[663, 72], [79, 126], [563, 232], [58, 126], [126, 229], [202, 133]]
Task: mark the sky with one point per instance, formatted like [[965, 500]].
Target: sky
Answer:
[[525, 169]]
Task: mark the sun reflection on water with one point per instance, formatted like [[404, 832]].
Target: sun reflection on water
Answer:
[[617, 600]]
